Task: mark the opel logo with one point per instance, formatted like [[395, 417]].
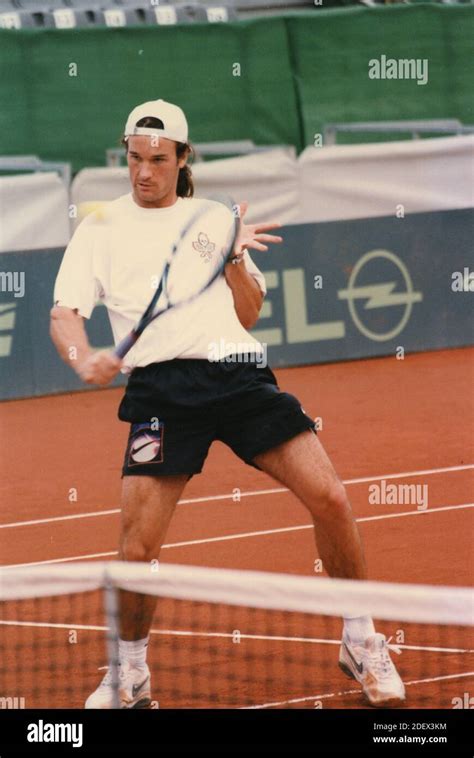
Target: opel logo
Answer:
[[380, 295]]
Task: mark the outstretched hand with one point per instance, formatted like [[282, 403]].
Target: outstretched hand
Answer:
[[255, 235]]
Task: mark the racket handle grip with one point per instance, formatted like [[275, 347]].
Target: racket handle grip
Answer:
[[125, 345]]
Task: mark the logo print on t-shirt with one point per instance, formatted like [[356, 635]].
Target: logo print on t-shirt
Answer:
[[204, 246], [145, 444]]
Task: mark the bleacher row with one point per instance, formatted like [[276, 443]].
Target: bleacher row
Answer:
[[50, 14], [68, 14]]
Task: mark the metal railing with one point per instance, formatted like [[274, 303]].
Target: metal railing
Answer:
[[115, 155], [415, 128], [33, 164]]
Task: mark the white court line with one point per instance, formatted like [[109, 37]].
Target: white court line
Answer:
[[69, 559], [230, 496], [52, 625], [416, 513], [226, 635], [243, 535], [327, 695], [265, 532]]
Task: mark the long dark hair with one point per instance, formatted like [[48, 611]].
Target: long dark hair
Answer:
[[185, 185]]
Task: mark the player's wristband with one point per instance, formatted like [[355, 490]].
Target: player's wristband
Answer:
[[238, 258]]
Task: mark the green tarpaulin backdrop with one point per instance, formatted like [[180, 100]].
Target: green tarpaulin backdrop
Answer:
[[274, 80]]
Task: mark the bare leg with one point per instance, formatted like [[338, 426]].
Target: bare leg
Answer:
[[148, 504], [302, 465]]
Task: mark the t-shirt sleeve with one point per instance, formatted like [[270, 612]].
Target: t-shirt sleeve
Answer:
[[255, 272], [76, 285]]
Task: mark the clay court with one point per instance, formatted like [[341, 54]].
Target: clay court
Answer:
[[406, 421]]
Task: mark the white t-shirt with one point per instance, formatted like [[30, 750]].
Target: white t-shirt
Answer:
[[116, 254]]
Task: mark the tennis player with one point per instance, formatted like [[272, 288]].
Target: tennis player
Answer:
[[178, 401]]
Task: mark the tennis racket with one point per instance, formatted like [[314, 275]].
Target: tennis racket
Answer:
[[193, 264]]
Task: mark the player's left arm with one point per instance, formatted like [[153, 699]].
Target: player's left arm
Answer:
[[247, 294], [248, 297]]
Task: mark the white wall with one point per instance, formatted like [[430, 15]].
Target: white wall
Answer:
[[322, 184], [33, 212]]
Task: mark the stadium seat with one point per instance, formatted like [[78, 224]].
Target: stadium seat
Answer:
[[24, 14], [108, 12], [168, 12], [220, 12], [68, 18], [115, 16], [20, 19], [175, 14]]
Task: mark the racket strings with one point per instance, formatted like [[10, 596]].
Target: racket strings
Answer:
[[195, 261], [198, 259]]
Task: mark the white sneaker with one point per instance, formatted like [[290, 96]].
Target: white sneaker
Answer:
[[371, 665], [134, 689]]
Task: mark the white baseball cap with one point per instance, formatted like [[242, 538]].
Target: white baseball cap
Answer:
[[174, 122]]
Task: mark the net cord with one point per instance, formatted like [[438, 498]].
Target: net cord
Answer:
[[257, 589]]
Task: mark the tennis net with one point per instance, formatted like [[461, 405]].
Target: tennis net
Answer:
[[224, 638]]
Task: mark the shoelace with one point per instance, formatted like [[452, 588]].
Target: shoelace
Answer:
[[107, 680], [381, 663]]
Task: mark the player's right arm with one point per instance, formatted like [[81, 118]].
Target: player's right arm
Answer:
[[69, 336], [76, 292]]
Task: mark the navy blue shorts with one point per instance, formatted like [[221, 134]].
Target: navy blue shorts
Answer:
[[178, 408]]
